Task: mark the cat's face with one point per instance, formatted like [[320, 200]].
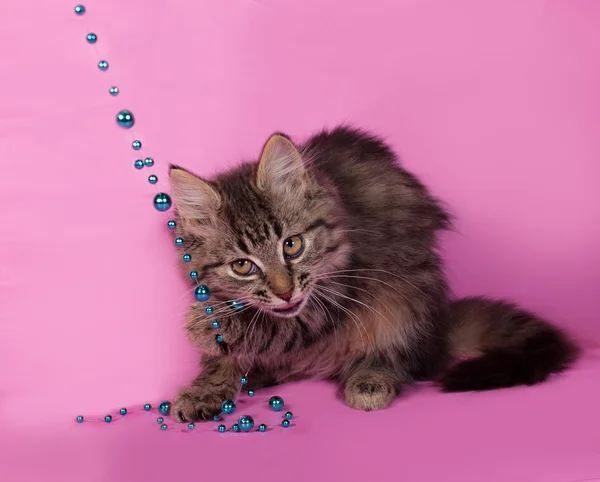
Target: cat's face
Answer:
[[263, 234]]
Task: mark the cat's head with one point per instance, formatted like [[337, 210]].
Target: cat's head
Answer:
[[265, 232]]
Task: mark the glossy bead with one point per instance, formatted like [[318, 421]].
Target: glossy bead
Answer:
[[285, 423], [92, 38], [160, 420], [108, 419], [250, 393], [191, 426], [216, 418], [235, 427], [162, 201], [289, 415], [237, 305], [147, 407], [113, 91], [139, 164], [276, 403], [194, 274], [246, 423], [222, 428], [209, 310], [148, 162], [216, 325], [125, 119], [152, 179], [219, 338], [178, 241], [243, 380], [79, 9], [228, 407], [187, 258], [79, 419], [103, 65], [171, 224], [163, 427], [165, 407], [123, 411], [137, 145], [202, 293], [262, 427]]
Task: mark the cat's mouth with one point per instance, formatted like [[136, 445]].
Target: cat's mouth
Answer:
[[289, 309]]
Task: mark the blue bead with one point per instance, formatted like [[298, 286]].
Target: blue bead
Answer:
[[160, 420], [222, 428], [123, 411], [187, 258], [152, 179], [148, 162], [171, 224], [216, 325], [79, 419], [137, 145], [237, 305], [113, 91], [125, 119], [235, 427], [262, 427], [246, 423], [191, 426], [79, 9], [209, 310], [243, 380], [285, 423], [216, 418], [139, 164], [276, 403], [228, 407], [194, 274], [250, 393], [163, 427], [219, 338], [103, 65], [147, 407], [202, 293], [178, 241], [289, 415], [91, 38], [162, 201], [165, 407], [108, 419]]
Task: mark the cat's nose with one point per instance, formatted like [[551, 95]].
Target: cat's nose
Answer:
[[285, 296]]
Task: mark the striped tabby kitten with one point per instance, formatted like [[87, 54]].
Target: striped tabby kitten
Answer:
[[331, 247]]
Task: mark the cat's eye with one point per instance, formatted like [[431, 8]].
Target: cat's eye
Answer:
[[243, 267], [293, 246]]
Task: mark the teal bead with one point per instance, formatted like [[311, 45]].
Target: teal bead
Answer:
[[187, 258], [285, 423], [163, 427], [148, 162], [191, 426], [123, 411], [250, 393], [178, 241], [103, 65], [216, 325], [113, 91], [235, 427], [165, 407], [243, 380], [237, 305], [171, 224], [147, 407], [160, 420], [202, 293], [108, 418], [276, 403], [262, 427], [219, 338], [92, 38], [162, 201], [228, 407], [125, 119], [152, 179], [139, 164], [194, 274], [137, 145], [79, 419], [209, 310], [222, 428], [246, 423], [79, 9], [289, 415]]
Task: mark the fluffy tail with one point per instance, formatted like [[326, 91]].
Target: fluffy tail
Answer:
[[496, 345]]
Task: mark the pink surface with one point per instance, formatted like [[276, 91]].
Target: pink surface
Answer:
[[494, 104]]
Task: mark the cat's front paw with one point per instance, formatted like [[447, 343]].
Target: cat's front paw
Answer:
[[196, 404], [369, 391]]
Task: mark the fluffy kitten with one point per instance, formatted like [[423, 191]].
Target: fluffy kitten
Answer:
[[331, 247]]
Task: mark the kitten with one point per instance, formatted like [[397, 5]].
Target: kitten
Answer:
[[331, 248]]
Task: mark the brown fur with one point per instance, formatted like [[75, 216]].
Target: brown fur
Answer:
[[374, 310]]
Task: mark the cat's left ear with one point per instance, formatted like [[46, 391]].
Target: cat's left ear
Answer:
[[281, 167]]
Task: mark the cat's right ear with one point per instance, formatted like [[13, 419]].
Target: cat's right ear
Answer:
[[194, 197]]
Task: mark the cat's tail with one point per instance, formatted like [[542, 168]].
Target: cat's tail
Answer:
[[495, 344]]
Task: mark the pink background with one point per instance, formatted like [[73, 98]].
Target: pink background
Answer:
[[496, 105]]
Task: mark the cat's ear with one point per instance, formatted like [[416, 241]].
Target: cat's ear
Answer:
[[194, 197], [281, 166]]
